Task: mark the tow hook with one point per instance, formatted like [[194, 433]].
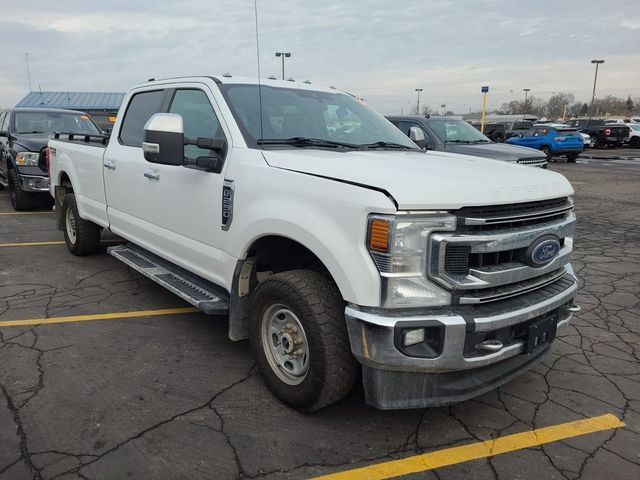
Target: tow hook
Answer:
[[574, 308]]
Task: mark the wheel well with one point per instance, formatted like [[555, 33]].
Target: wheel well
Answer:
[[65, 181], [276, 254]]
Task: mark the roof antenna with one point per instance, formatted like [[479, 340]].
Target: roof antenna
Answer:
[[26, 59], [255, 6]]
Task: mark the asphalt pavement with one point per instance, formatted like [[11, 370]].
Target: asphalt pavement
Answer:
[[105, 375]]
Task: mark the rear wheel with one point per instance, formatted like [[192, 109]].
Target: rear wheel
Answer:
[[82, 237], [20, 200], [299, 339], [547, 151]]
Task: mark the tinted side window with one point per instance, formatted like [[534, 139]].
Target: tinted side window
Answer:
[[4, 123], [199, 119], [141, 107]]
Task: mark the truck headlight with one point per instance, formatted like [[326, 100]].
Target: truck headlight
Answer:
[[27, 159], [398, 246]]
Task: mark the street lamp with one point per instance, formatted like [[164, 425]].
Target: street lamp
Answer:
[[418, 105], [524, 107], [283, 55], [595, 79]]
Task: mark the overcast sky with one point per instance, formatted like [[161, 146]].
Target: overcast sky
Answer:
[[380, 50]]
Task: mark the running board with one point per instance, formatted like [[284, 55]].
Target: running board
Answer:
[[201, 293]]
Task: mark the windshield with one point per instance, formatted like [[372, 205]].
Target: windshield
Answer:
[[51, 122], [456, 131], [293, 113]]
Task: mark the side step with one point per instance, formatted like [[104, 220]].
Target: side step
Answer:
[[203, 294]]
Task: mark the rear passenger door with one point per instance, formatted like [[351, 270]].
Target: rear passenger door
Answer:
[[124, 167]]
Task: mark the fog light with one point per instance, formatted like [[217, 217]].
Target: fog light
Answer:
[[413, 337]]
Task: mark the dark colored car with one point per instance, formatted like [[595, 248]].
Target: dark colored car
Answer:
[[457, 136], [552, 141], [24, 133], [516, 127], [612, 135]]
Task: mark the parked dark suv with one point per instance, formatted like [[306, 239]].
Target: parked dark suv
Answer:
[[457, 136], [24, 133]]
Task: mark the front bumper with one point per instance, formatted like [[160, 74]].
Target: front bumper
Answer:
[[393, 379], [34, 183]]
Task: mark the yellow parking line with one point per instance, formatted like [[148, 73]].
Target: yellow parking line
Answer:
[[98, 316], [32, 244], [474, 451], [26, 213]]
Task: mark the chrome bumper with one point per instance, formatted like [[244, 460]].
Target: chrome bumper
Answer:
[[34, 183], [372, 332]]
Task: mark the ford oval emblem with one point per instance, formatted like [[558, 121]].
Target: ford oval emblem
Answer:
[[543, 251]]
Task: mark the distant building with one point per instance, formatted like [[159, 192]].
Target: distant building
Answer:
[[102, 106]]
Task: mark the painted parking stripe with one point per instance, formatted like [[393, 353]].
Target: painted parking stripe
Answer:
[[475, 451], [53, 242], [26, 213], [31, 244], [98, 316]]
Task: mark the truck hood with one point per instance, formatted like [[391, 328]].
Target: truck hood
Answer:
[[498, 151], [431, 180], [32, 143]]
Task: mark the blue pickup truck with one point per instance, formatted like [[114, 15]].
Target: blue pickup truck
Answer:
[[552, 141]]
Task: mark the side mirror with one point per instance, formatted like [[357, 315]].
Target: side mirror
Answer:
[[417, 136], [519, 135], [164, 139]]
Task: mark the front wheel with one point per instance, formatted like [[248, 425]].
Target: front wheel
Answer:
[[81, 236], [20, 200], [634, 142], [547, 151], [298, 336]]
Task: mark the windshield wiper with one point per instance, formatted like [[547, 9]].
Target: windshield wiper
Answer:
[[480, 141], [27, 133], [305, 142], [458, 141], [385, 145]]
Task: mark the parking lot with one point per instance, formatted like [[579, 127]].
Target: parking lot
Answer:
[[104, 374]]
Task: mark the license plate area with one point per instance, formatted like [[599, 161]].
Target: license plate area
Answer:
[[541, 333]]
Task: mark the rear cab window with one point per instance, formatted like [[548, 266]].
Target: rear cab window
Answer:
[[140, 109]]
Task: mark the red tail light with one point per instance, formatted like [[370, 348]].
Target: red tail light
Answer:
[[607, 132], [47, 159]]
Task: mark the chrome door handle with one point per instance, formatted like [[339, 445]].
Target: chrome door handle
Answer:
[[153, 175], [110, 165]]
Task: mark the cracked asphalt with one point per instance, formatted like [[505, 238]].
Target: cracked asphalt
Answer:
[[170, 396]]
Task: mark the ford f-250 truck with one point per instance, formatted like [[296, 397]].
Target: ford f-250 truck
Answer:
[[327, 237]]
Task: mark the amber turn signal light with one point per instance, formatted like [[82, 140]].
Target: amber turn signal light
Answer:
[[379, 235]]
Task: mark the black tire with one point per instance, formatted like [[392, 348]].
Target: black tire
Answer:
[[498, 137], [634, 142], [316, 303], [572, 158], [20, 200], [547, 151], [82, 236]]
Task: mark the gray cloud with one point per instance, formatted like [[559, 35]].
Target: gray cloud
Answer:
[[377, 49]]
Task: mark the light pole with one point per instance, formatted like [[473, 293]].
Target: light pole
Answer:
[[595, 79], [418, 105], [524, 107], [283, 55]]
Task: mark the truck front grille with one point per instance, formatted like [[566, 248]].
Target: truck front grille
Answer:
[[533, 161], [485, 259]]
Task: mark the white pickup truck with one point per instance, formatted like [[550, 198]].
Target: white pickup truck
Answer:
[[328, 237]]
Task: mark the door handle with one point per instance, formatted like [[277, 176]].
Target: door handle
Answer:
[[151, 174], [110, 165]]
